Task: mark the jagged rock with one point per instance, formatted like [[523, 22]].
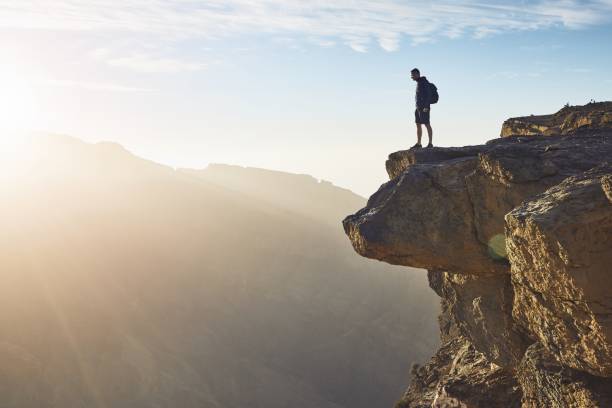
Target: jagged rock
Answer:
[[410, 219], [479, 308], [560, 251], [445, 204], [399, 161], [567, 120], [548, 384], [606, 184], [459, 376], [445, 210]]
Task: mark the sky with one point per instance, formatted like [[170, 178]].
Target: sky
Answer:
[[315, 87]]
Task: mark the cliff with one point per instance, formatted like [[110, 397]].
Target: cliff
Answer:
[[516, 236]]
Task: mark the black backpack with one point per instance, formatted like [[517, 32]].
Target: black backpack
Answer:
[[433, 93]]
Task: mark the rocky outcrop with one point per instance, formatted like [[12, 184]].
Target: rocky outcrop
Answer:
[[568, 120], [517, 237], [401, 223]]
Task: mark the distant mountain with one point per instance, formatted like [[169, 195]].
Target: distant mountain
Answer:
[[126, 283], [299, 193]]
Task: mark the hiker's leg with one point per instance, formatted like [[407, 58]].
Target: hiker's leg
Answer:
[[419, 133], [429, 132]]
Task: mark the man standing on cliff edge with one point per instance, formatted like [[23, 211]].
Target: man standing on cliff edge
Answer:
[[421, 114]]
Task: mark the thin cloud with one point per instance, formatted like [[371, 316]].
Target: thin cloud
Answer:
[[355, 23], [359, 45], [389, 43], [149, 64], [91, 86], [145, 63], [322, 42]]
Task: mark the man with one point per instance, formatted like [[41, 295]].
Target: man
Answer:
[[421, 114]]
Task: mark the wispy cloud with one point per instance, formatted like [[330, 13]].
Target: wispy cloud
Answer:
[[355, 23], [145, 62], [91, 86], [150, 64]]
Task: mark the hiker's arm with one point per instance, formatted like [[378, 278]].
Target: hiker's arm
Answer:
[[427, 96]]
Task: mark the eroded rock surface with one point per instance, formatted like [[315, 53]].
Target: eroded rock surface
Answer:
[[517, 237], [562, 270], [459, 376], [479, 308], [568, 120], [441, 207], [402, 221], [547, 384]]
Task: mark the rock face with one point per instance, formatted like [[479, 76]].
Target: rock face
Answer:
[[562, 270], [517, 237], [459, 376], [546, 383]]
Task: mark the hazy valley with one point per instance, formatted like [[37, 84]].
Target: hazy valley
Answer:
[[130, 284]]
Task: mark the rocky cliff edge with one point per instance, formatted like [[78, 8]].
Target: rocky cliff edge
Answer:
[[516, 236]]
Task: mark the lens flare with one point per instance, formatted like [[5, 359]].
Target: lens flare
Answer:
[[497, 247]]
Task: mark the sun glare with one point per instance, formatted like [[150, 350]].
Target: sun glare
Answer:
[[17, 111], [17, 102]]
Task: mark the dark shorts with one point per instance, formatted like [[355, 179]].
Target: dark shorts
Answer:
[[421, 117]]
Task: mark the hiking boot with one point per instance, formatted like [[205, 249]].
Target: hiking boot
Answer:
[[429, 146], [416, 146]]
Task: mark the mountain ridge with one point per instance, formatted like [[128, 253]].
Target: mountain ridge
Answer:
[[132, 284]]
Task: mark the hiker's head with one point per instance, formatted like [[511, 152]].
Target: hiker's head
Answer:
[[415, 74]]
